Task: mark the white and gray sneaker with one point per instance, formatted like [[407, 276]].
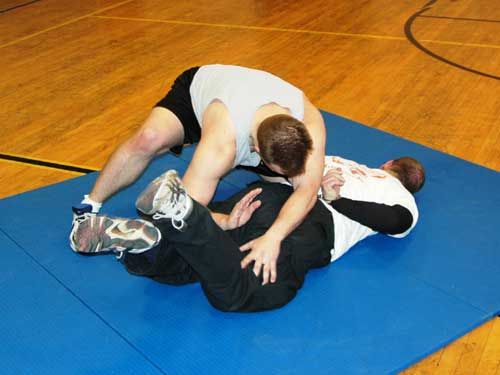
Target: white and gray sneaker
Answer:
[[166, 198], [98, 233]]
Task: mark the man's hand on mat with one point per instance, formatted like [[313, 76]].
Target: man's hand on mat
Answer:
[[264, 253], [243, 210], [331, 184]]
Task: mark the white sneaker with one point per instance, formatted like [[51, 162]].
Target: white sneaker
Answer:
[[97, 233], [166, 198]]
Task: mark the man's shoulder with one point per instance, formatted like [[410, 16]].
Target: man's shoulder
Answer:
[[217, 121]]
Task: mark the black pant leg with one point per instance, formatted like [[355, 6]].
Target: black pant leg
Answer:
[[162, 263], [215, 257], [206, 253]]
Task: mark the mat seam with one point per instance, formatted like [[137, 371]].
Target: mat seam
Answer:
[[416, 277], [486, 317], [86, 305]]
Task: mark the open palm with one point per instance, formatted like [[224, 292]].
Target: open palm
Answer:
[[243, 210]]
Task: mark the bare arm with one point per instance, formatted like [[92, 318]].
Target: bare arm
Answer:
[[306, 186], [214, 157], [265, 249], [210, 162]]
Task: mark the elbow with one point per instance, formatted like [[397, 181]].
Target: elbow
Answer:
[[399, 225], [311, 200], [308, 194]]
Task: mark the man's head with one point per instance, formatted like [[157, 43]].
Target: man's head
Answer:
[[284, 144], [408, 170]]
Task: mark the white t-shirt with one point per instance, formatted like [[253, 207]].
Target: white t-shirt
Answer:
[[368, 185], [243, 91]]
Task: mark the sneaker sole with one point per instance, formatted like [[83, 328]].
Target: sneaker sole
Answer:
[[101, 234]]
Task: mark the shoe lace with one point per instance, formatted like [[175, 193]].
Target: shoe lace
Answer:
[[78, 218], [82, 217], [82, 213], [174, 205]]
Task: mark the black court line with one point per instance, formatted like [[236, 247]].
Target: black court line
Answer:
[[462, 19], [19, 6], [48, 164], [411, 38]]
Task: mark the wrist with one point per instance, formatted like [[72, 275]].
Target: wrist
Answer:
[[222, 220], [275, 235]]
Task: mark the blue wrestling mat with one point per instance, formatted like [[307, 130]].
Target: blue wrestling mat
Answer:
[[383, 306]]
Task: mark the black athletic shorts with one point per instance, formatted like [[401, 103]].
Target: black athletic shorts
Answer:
[[178, 100]]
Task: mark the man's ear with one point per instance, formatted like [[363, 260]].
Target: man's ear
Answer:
[[387, 164]]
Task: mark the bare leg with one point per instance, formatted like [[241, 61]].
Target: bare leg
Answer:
[[161, 131]]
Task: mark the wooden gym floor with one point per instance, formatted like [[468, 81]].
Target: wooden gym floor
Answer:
[[79, 77]]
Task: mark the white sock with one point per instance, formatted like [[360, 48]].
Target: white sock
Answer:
[[96, 206]]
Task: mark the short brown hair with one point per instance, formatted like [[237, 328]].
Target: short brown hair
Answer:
[[285, 142], [410, 172]]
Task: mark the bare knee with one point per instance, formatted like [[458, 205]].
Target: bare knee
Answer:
[[152, 141], [160, 132], [146, 141]]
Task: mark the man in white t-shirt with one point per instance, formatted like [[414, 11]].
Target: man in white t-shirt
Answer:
[[239, 117], [364, 201], [181, 243]]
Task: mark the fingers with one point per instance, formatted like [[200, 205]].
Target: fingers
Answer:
[[246, 246], [249, 197], [269, 273], [334, 173], [263, 255], [331, 183], [256, 268], [268, 268], [254, 206], [333, 178], [265, 274], [255, 192], [274, 273]]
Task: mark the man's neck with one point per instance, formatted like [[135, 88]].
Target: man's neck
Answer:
[[261, 114], [392, 173]]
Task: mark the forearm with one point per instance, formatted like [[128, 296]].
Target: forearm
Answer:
[[306, 186], [122, 168], [377, 216], [292, 214]]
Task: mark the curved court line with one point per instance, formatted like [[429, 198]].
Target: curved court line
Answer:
[[411, 38], [47, 163], [79, 299], [298, 31], [30, 36], [19, 6], [461, 19]]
